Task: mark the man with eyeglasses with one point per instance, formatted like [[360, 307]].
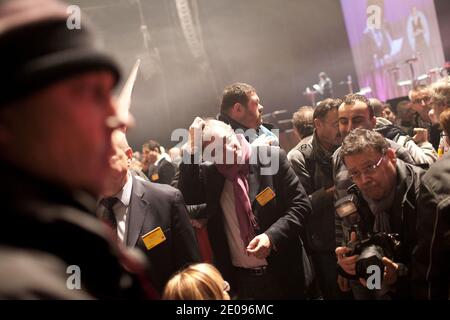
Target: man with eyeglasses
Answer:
[[420, 98], [356, 111], [387, 190]]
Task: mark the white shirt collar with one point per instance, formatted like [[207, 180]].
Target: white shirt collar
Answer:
[[124, 195], [158, 161]]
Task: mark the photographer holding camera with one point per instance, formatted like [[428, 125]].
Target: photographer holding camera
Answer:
[[379, 216]]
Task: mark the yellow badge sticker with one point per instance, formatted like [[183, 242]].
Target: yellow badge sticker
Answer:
[[265, 196], [155, 177], [153, 238]]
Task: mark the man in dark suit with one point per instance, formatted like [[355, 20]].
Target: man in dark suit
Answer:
[[255, 211], [149, 216], [158, 168]]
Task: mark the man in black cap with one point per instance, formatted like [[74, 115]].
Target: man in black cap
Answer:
[[56, 119]]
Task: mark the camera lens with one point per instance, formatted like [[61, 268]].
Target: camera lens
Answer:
[[370, 256]]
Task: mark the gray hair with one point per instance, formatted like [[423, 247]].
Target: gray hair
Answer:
[[361, 140], [441, 92], [120, 139], [215, 128]]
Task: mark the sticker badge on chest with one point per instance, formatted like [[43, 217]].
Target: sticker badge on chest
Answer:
[[153, 238], [265, 196]]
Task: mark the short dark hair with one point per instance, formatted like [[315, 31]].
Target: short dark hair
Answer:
[[352, 98], [152, 145], [235, 93], [360, 140], [302, 120], [325, 106]]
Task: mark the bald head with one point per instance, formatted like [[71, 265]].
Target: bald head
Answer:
[[119, 139], [119, 164]]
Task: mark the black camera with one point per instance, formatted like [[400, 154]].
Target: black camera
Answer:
[[371, 252], [371, 248]]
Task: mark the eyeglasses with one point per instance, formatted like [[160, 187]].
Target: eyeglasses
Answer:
[[366, 171], [422, 101]]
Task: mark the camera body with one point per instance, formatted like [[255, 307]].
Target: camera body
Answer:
[[372, 250], [371, 247]]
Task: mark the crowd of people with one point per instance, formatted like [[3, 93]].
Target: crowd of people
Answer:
[[229, 214]]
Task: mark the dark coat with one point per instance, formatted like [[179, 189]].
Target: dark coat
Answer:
[[281, 218], [403, 220], [431, 263], [163, 172], [154, 205], [314, 169]]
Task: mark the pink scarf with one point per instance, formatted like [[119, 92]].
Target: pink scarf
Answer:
[[238, 175]]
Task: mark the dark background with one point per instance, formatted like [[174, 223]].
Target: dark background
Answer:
[[278, 46]]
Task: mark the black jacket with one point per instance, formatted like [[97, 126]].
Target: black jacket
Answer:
[[403, 220], [163, 172], [342, 182], [432, 254], [282, 218], [313, 166]]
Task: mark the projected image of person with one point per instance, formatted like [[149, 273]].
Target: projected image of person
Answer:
[[392, 42], [378, 37], [419, 36], [380, 47], [325, 86], [418, 29]]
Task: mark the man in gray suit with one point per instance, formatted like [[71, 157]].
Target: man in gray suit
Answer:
[[147, 215]]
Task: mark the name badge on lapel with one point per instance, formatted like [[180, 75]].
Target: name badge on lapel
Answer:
[[155, 177], [265, 196], [153, 238]]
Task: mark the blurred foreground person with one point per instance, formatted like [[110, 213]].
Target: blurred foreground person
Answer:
[[56, 120]]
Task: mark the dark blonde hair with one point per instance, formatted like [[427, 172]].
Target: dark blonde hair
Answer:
[[444, 120], [200, 281]]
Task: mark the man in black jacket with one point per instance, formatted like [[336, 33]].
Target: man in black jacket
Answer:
[[387, 191], [158, 169], [256, 209], [241, 108], [432, 254], [311, 162]]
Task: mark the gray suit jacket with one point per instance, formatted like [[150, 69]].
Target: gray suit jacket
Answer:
[[155, 205]]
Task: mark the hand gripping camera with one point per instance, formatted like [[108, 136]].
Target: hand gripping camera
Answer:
[[371, 248]]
